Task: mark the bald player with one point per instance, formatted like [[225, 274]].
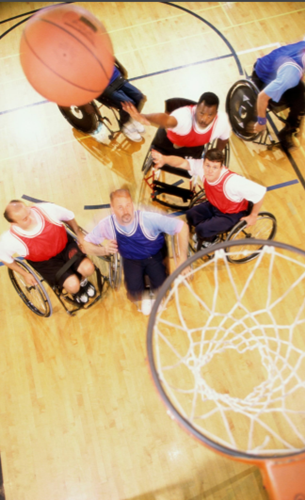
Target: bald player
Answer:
[[37, 234]]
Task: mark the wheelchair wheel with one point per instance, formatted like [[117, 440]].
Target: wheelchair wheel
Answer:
[[35, 297], [83, 118], [264, 229], [200, 197], [148, 163], [241, 109]]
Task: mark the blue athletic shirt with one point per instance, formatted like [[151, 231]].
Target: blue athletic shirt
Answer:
[[151, 224], [282, 69]]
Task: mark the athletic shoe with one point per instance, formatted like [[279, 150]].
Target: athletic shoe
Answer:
[[131, 133], [138, 126], [81, 297], [287, 139], [101, 134], [88, 288], [147, 304]]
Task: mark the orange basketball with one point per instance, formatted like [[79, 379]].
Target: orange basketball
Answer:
[[66, 55]]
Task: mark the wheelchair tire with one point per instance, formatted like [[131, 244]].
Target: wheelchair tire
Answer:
[[200, 197], [110, 266], [264, 229], [35, 298], [241, 109], [80, 118], [147, 164]]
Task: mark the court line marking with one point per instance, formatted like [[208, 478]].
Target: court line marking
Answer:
[[265, 19], [174, 214]]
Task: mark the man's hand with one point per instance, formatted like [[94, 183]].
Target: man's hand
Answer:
[[259, 128], [134, 113], [111, 247], [159, 159], [29, 279], [250, 219]]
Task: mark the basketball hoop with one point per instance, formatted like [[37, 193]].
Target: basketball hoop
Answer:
[[226, 351]]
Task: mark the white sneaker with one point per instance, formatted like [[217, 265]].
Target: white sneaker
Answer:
[[101, 134], [131, 133], [138, 126]]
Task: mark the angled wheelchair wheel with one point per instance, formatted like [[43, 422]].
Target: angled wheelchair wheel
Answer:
[[35, 297], [241, 108], [264, 229], [109, 266], [83, 118], [198, 198]]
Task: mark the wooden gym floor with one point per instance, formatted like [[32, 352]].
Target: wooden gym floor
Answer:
[[79, 416]]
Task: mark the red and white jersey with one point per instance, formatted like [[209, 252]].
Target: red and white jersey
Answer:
[[231, 191], [45, 240], [217, 194], [187, 133]]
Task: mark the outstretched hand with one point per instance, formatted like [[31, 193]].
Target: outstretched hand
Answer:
[[134, 113]]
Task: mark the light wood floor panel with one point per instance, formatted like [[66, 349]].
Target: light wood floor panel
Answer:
[[79, 416]]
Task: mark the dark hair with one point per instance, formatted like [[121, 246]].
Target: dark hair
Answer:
[[210, 99], [7, 211], [120, 192], [214, 155]]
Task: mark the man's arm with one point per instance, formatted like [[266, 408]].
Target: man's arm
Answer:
[[28, 278], [262, 104], [158, 119], [173, 161], [110, 247], [252, 217], [221, 144]]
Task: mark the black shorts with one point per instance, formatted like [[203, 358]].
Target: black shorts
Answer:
[[49, 268]]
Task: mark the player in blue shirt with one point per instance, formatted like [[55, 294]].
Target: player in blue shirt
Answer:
[[279, 77]]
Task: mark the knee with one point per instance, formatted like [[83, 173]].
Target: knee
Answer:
[[86, 268], [72, 284]]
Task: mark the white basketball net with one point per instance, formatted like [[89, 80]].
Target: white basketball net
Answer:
[[229, 348]]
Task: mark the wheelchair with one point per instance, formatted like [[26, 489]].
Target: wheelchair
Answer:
[[161, 184], [264, 229], [241, 109], [37, 299], [87, 118]]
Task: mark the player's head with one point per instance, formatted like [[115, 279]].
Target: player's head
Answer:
[[18, 213], [206, 110], [122, 206], [212, 164]]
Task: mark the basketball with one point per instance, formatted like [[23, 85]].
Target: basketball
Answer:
[[66, 55]]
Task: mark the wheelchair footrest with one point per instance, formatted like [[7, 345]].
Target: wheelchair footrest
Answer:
[[176, 171], [163, 188]]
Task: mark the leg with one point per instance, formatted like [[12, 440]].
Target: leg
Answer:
[[220, 223], [295, 98], [156, 270], [134, 278], [199, 213]]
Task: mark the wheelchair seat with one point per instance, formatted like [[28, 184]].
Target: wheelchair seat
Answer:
[[37, 299]]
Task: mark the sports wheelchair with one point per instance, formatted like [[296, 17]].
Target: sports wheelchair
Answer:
[[160, 185], [87, 118], [241, 109], [36, 298], [264, 229]]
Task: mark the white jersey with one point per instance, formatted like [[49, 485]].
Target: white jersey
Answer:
[[186, 121]]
